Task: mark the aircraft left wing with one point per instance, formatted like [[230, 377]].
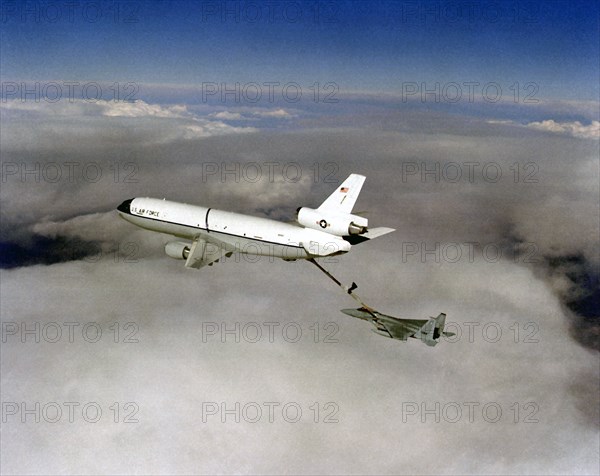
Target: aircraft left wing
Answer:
[[203, 254], [401, 329]]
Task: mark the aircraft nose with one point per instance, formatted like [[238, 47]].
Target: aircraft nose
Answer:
[[125, 207]]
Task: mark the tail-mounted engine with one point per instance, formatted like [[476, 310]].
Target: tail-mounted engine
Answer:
[[334, 223]]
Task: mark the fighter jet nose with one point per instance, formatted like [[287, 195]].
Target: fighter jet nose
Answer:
[[125, 207]]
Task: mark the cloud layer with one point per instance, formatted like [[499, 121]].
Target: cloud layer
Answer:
[[84, 121], [445, 182], [574, 129]]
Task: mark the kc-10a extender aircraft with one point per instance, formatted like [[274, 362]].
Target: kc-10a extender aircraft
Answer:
[[329, 230]]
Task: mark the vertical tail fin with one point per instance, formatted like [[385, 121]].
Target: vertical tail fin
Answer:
[[344, 198], [433, 329], [427, 333], [440, 322]]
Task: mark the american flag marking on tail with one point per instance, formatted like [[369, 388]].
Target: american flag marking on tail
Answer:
[[343, 199]]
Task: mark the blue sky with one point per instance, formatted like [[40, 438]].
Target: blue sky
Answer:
[[364, 46]]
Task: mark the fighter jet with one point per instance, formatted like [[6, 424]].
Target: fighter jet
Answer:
[[328, 230], [428, 330]]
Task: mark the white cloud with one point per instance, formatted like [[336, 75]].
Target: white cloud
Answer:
[[574, 128], [79, 107], [141, 108], [251, 113], [277, 113], [226, 115], [367, 375], [29, 125]]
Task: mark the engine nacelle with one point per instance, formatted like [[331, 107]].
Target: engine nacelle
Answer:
[[177, 249], [339, 224]]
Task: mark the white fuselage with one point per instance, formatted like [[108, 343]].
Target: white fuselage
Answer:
[[233, 232]]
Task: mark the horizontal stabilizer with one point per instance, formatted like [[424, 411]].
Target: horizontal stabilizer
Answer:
[[369, 235], [377, 232]]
